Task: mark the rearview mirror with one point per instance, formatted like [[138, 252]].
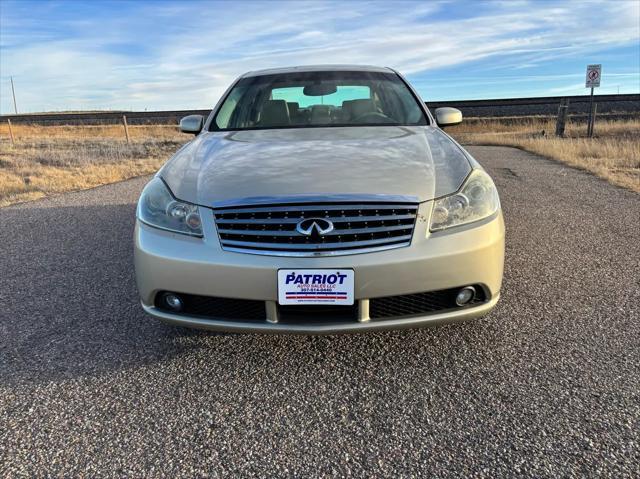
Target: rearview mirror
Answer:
[[447, 116], [192, 124], [319, 89]]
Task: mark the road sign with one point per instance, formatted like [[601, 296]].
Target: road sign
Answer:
[[593, 76], [592, 81]]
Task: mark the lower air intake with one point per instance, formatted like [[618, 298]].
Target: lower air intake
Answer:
[[218, 308], [420, 303]]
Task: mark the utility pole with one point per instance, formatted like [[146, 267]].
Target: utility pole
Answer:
[[15, 106]]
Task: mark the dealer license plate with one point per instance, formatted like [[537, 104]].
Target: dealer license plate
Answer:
[[315, 286]]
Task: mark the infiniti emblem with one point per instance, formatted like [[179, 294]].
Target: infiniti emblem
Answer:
[[314, 227]]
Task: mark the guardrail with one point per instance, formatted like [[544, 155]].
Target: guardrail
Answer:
[[104, 117], [623, 103], [578, 105]]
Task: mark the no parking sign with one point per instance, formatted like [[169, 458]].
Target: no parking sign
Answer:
[[593, 76]]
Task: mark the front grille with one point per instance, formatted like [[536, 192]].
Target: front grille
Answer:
[[356, 228], [219, 308], [420, 303]]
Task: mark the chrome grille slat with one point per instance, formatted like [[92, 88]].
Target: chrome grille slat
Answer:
[[257, 232], [316, 246], [331, 207], [336, 232], [358, 228], [339, 219]]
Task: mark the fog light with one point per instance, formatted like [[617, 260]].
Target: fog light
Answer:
[[172, 301], [465, 295]]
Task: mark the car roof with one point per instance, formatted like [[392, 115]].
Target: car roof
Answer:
[[317, 68]]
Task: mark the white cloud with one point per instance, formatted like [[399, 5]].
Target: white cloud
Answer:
[[191, 52]]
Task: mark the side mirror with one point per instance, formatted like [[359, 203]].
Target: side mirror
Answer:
[[447, 116], [192, 124]]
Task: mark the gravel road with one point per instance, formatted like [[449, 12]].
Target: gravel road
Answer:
[[548, 385]]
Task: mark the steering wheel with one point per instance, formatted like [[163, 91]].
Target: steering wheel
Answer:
[[373, 117]]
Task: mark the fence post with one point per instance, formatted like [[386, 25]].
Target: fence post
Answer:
[[562, 117], [13, 141], [126, 127]]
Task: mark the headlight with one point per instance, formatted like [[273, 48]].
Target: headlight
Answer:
[[157, 207], [477, 199]]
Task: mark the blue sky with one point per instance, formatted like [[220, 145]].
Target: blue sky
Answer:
[[77, 55]]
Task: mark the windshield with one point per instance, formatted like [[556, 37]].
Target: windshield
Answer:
[[319, 99]]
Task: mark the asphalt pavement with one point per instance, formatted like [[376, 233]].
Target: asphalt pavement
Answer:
[[548, 385]]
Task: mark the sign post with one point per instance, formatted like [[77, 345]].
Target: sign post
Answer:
[[592, 81]]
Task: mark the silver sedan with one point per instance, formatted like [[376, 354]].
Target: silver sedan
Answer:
[[319, 200]]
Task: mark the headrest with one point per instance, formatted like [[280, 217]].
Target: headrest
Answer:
[[346, 109], [361, 107], [294, 106], [274, 113], [320, 114]]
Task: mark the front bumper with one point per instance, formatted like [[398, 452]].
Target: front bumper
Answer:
[[325, 328], [465, 255]]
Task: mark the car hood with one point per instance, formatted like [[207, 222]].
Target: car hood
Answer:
[[259, 166]]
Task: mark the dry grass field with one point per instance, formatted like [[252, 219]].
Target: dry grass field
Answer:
[[56, 159], [47, 160], [613, 154]]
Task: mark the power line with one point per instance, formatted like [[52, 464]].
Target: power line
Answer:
[[15, 106]]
